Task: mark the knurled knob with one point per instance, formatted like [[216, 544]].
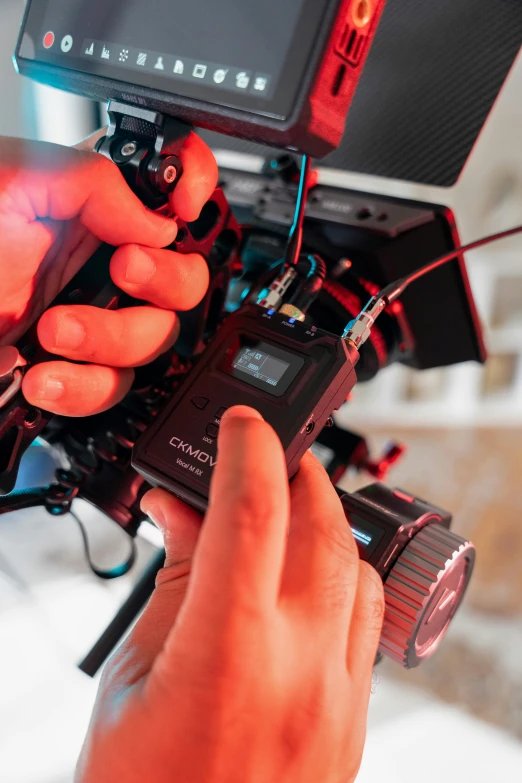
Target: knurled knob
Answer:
[[10, 360], [423, 591]]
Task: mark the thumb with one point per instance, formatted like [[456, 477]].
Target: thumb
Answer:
[[180, 526]]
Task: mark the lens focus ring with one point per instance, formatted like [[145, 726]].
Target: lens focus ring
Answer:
[[423, 591]]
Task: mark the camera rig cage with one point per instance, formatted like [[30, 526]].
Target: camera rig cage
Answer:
[[351, 245], [365, 242]]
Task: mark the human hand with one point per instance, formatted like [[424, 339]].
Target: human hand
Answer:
[[57, 205], [255, 664]]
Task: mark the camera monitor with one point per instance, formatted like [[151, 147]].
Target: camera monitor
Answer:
[[281, 73], [434, 72]]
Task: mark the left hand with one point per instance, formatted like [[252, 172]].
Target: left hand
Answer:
[[57, 205]]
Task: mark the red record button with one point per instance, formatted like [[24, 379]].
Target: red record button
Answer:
[[48, 40]]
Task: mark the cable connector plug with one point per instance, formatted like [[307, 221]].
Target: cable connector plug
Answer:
[[276, 294], [11, 373], [358, 331]]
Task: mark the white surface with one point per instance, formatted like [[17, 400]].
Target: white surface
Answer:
[[45, 702], [431, 742], [52, 609], [15, 115], [52, 106]]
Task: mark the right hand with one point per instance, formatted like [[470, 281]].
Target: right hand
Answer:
[[254, 666]]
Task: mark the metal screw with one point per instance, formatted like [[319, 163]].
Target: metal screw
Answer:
[[129, 149], [170, 174]]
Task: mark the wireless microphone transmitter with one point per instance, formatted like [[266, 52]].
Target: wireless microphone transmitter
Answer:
[[295, 375]]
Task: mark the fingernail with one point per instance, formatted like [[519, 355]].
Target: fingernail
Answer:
[[241, 412], [157, 516], [140, 268], [70, 334], [50, 390]]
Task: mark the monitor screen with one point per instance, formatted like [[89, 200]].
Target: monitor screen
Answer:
[[239, 53], [433, 74]]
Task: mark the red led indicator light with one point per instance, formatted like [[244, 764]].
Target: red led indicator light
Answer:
[[48, 40]]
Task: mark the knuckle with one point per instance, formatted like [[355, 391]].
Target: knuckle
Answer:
[[170, 593], [114, 668], [174, 578], [252, 510], [116, 329], [313, 465], [338, 537], [373, 580], [374, 604], [101, 171], [375, 614], [326, 516], [317, 715], [337, 592], [102, 165], [306, 720], [376, 611], [339, 583]]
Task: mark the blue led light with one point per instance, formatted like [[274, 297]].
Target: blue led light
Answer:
[[292, 320], [271, 312]]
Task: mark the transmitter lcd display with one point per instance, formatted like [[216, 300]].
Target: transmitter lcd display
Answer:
[[261, 365], [264, 366], [239, 53]]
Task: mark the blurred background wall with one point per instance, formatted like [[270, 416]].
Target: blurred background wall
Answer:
[[30, 110], [463, 427], [14, 121], [486, 199]]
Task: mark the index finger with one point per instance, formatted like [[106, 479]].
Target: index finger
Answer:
[[199, 179], [242, 545]]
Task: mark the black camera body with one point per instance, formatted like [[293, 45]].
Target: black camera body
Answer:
[[282, 74]]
